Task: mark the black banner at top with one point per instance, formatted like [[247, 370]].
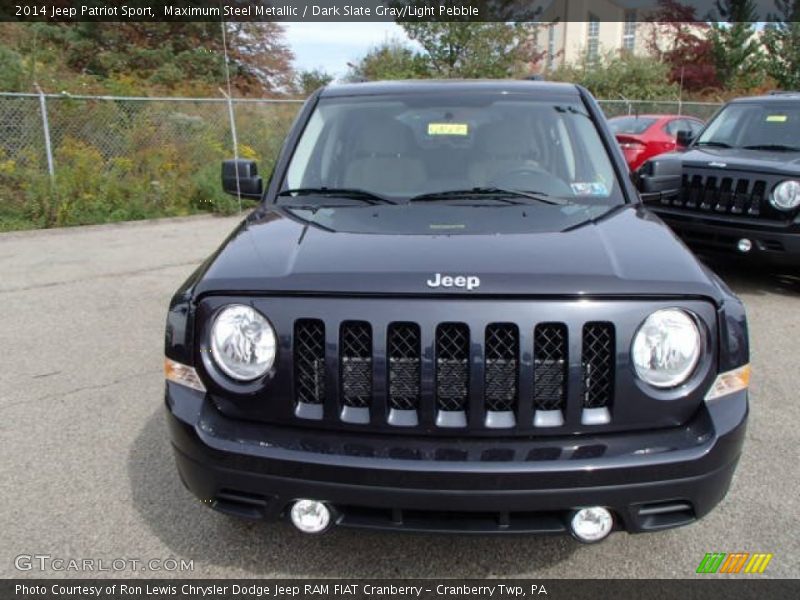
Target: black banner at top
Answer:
[[397, 10]]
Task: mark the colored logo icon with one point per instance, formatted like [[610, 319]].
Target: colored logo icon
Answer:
[[735, 562]]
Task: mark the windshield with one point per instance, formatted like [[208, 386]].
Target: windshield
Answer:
[[404, 147], [632, 125], [768, 125]]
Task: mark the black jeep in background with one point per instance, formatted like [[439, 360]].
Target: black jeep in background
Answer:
[[450, 312], [736, 190]]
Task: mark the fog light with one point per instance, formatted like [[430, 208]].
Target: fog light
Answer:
[[591, 524], [310, 516], [744, 245]]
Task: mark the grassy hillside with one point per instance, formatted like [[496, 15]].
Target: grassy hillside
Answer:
[[123, 160]]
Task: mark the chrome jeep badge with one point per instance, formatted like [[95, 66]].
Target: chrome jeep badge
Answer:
[[470, 282]]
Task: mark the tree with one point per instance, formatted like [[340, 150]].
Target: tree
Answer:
[[687, 51], [308, 81], [11, 71], [171, 54], [781, 42], [735, 45], [390, 60], [474, 50], [631, 76]]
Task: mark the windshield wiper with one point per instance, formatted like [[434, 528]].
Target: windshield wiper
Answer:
[[354, 193], [776, 147], [713, 143], [495, 193]]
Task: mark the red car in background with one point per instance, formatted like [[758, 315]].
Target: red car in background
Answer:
[[644, 136]]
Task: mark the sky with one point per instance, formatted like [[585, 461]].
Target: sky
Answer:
[[330, 46]]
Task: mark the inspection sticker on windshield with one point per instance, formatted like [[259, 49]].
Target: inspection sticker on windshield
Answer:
[[591, 188], [776, 118], [448, 129]]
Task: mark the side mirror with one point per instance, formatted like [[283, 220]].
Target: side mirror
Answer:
[[684, 137], [250, 184], [659, 178]]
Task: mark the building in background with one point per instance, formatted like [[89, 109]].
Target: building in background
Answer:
[[577, 30]]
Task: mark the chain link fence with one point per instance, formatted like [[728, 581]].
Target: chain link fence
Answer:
[[701, 110], [117, 158]]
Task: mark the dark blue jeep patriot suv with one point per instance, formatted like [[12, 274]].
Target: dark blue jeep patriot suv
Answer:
[[451, 312]]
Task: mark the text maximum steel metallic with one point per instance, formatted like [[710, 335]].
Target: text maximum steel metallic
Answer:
[[450, 312]]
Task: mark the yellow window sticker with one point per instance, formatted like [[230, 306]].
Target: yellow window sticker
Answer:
[[448, 129], [776, 118]]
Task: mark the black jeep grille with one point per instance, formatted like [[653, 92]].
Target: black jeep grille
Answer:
[[404, 356], [452, 366], [428, 374], [309, 361], [501, 367], [355, 348], [598, 364], [549, 366], [729, 195]]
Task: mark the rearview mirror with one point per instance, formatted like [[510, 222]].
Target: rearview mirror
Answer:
[[249, 183], [659, 178], [684, 137]]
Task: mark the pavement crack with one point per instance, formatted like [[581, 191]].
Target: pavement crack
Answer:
[[99, 277], [78, 390]]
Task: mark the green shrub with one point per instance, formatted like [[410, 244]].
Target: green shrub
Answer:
[[634, 77]]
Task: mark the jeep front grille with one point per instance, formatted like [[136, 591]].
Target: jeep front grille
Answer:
[[729, 194], [309, 361], [452, 366], [490, 377]]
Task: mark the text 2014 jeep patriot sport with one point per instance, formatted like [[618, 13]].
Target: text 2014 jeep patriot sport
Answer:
[[450, 312]]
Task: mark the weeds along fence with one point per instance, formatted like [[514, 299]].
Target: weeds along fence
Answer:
[[115, 158], [120, 158]]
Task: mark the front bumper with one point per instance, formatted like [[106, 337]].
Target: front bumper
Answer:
[[650, 480], [777, 245]]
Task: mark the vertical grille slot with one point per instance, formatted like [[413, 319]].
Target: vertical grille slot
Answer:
[[709, 194], [759, 189], [549, 366], [309, 361], [452, 366], [404, 355], [598, 364], [724, 196], [740, 197], [501, 367], [355, 356]]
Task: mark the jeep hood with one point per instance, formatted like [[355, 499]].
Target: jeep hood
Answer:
[[627, 252], [737, 159]]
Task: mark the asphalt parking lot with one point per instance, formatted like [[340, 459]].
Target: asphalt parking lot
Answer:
[[87, 470]]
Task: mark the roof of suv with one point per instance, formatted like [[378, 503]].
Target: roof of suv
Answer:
[[777, 96], [373, 88]]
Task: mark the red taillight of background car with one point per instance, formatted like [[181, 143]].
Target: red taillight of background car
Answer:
[[632, 149]]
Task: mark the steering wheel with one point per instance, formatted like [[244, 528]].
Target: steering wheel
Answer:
[[519, 171], [534, 177]]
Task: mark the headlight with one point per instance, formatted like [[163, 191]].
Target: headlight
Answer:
[[242, 342], [666, 348], [786, 195]]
